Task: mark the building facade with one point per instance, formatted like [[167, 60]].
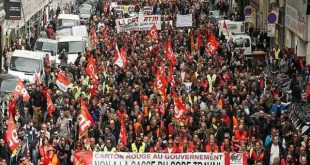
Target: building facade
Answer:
[[297, 27]]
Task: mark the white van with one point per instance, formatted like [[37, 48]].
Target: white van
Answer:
[[24, 64], [242, 41], [72, 45], [67, 21], [232, 27], [47, 46]]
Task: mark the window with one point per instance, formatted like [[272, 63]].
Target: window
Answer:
[[72, 47], [246, 42], [239, 42], [22, 64]]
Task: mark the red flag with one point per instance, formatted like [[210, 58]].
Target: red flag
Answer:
[[85, 120], [192, 42], [50, 105], [123, 133], [179, 108], [90, 68], [170, 76], [21, 90], [153, 34], [11, 137], [82, 157], [161, 84], [120, 57], [37, 79], [12, 105], [212, 45], [162, 68], [169, 53], [199, 41], [225, 25], [63, 82]]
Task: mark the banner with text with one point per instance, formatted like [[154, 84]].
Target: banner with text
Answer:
[[100, 158], [122, 158], [138, 23]]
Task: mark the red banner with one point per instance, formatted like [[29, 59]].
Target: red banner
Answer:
[[82, 158], [85, 120], [21, 90]]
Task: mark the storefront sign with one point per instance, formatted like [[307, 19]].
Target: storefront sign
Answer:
[[12, 9], [138, 23], [295, 21]]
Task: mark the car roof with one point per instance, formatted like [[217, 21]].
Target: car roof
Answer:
[[86, 6], [7, 76], [28, 54], [69, 16], [70, 38], [47, 40]]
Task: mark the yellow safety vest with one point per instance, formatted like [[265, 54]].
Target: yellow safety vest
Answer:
[[105, 149], [135, 150], [276, 53]]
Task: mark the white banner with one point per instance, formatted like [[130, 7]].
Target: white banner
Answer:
[[138, 23], [184, 20], [102, 158], [147, 10]]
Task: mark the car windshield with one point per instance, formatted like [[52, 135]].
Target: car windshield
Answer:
[[239, 42], [72, 47], [8, 85], [46, 46], [23, 64], [67, 22]]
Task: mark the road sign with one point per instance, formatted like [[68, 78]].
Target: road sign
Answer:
[[271, 30], [248, 10], [272, 18]]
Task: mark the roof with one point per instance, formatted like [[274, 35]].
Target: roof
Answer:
[[47, 40], [86, 6], [70, 38], [28, 54], [7, 76], [69, 16]]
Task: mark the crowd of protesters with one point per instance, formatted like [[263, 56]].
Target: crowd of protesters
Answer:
[[221, 94]]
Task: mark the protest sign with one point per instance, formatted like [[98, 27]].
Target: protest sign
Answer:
[[138, 23], [122, 158], [184, 20]]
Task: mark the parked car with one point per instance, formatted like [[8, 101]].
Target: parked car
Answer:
[[7, 87]]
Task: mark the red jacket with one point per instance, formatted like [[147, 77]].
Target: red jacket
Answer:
[[258, 157], [209, 148], [174, 150]]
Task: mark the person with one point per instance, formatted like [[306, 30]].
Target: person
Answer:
[[274, 151], [276, 51], [47, 68], [51, 157], [37, 99], [25, 160], [4, 151], [109, 147], [44, 148], [63, 57], [138, 146]]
